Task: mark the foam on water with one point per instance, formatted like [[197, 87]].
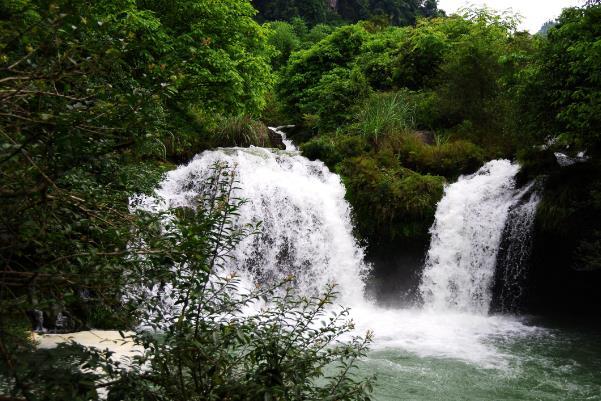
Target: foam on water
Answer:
[[462, 336]]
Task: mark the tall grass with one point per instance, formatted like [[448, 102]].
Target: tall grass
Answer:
[[241, 131], [385, 113]]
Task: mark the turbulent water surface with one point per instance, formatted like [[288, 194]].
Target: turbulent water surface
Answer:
[[550, 364]]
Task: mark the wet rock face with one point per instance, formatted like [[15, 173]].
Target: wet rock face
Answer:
[[396, 270], [51, 322], [276, 140]]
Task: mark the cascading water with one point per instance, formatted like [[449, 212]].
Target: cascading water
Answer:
[[466, 235], [305, 226], [512, 262], [280, 131], [451, 348]]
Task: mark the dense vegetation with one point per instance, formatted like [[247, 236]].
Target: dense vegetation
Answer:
[[97, 99], [397, 12], [437, 99], [429, 102]]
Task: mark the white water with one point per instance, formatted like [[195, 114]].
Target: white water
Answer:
[[306, 228], [461, 336], [466, 235], [457, 279], [307, 232], [515, 252]]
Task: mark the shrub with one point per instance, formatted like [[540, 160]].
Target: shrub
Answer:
[[335, 97], [449, 159], [207, 348], [273, 114], [322, 148], [332, 149], [201, 346], [307, 68], [284, 39], [559, 92], [427, 114]]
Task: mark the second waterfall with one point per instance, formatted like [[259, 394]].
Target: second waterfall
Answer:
[[466, 236]]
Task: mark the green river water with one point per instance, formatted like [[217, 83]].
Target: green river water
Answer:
[[552, 363]]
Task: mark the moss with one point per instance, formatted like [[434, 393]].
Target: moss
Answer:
[[324, 149], [333, 149], [448, 159], [389, 201]]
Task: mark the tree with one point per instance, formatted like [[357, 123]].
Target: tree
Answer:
[[398, 12], [544, 29], [312, 11], [284, 39], [560, 94], [306, 68], [92, 99], [559, 104]]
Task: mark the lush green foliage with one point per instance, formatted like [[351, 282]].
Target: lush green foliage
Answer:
[[559, 105], [445, 158], [460, 69], [98, 98], [208, 347], [240, 131], [450, 78], [385, 113], [561, 93], [329, 61], [312, 11], [88, 90], [199, 344]]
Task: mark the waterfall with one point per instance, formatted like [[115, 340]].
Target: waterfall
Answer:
[[466, 235], [514, 253], [306, 227]]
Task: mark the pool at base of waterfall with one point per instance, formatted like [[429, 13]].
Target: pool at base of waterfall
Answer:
[[426, 356], [422, 355]]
